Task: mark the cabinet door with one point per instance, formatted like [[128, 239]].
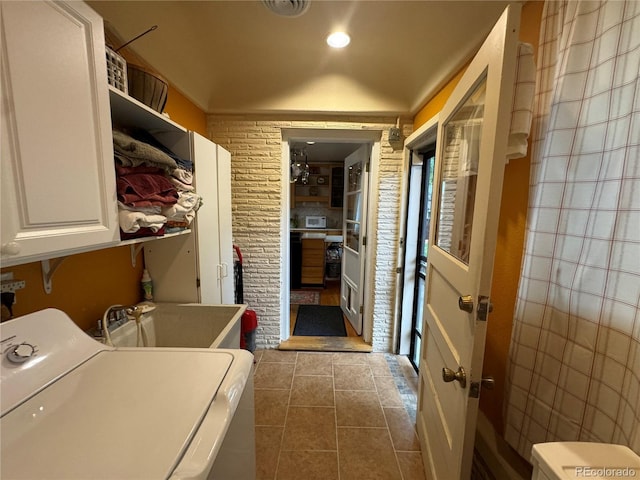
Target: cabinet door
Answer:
[[227, 283], [58, 181], [313, 261], [215, 248]]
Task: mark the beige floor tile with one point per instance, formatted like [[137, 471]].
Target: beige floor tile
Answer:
[[273, 375], [257, 356], [358, 409], [271, 406], [388, 392], [268, 440], [366, 454], [353, 377], [402, 431], [308, 465], [350, 358], [279, 356], [411, 465], [310, 428], [312, 391], [314, 364], [332, 415], [378, 361]]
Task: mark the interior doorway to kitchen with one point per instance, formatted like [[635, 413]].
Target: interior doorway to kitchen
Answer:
[[318, 236]]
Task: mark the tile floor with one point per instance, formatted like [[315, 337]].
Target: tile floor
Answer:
[[335, 416]]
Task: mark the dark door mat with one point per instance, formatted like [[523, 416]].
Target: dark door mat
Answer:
[[320, 321]]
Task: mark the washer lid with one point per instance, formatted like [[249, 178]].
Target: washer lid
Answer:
[[126, 414]]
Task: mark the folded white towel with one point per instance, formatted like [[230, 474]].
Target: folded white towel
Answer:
[[131, 222], [185, 209], [522, 111]]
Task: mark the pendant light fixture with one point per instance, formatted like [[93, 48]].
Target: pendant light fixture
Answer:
[[299, 167]]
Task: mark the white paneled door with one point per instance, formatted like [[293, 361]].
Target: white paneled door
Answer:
[[356, 167], [470, 160]]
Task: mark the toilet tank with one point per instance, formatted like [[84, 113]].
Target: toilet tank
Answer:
[[575, 460]]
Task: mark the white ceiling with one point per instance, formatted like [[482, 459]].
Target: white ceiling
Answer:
[[238, 57]]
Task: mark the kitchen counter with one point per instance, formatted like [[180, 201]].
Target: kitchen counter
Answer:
[[328, 231]]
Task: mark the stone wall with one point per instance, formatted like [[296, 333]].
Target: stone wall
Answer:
[[257, 198]]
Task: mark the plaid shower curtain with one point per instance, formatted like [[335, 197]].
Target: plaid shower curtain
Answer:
[[574, 367]]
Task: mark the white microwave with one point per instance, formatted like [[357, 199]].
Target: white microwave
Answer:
[[315, 221]]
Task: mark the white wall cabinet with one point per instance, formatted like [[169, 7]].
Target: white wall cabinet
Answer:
[[199, 267], [58, 182]]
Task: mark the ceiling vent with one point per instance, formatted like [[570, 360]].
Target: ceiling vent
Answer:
[[287, 8]]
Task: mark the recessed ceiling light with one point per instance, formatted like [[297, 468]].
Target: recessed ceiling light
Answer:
[[338, 40]]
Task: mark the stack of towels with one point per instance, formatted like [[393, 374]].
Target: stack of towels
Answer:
[[154, 187]]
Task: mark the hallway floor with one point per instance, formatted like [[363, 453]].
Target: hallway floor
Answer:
[[329, 295], [335, 416]]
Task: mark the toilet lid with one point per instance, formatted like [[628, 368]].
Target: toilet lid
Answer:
[[126, 414], [596, 461]]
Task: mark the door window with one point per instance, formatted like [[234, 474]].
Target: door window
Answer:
[[459, 174], [354, 206]]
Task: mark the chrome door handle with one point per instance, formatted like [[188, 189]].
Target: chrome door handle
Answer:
[[465, 303], [460, 376]]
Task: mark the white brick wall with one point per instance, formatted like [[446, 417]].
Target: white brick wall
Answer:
[[255, 145]]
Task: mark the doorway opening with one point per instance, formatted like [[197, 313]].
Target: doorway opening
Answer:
[[421, 153], [422, 166], [326, 220]]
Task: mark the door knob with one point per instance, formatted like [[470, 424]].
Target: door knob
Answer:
[[465, 303], [449, 375]]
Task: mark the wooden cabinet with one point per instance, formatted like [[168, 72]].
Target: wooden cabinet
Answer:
[[313, 261], [58, 181], [318, 189]]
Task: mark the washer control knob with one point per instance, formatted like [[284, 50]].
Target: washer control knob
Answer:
[[21, 353]]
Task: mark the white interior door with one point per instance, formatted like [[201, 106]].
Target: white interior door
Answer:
[[354, 234], [471, 149]]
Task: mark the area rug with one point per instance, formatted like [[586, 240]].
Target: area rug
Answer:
[[320, 321], [304, 297]]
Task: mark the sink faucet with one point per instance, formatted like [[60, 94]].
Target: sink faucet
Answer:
[[134, 310]]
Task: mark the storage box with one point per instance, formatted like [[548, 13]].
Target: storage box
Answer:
[[116, 70]]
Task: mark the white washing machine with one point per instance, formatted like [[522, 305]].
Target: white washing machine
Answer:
[[74, 408]]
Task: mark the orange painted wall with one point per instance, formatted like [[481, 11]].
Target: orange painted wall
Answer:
[[86, 284], [184, 112], [511, 230]]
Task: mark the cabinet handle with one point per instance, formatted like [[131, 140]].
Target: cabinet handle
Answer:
[[10, 248]]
